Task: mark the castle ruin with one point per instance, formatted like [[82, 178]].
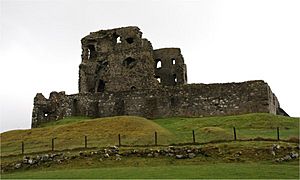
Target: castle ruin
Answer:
[[121, 74]]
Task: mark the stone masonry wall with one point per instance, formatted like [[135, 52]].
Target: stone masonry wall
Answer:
[[170, 67], [193, 100], [116, 60]]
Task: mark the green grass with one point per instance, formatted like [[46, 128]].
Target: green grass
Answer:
[[66, 120], [212, 170], [101, 132], [221, 128]]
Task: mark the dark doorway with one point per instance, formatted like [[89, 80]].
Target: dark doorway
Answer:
[[101, 86], [75, 107]]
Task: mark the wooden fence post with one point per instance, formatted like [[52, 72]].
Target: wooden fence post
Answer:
[[234, 133], [85, 141], [53, 143], [194, 140], [22, 147], [278, 138], [119, 136], [155, 138]]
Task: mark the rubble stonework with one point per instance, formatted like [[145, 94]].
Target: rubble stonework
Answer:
[[121, 74]]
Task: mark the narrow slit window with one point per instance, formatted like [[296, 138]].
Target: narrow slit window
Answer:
[[91, 51], [175, 79]]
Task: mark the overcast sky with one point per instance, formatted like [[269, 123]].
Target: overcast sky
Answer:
[[221, 41]]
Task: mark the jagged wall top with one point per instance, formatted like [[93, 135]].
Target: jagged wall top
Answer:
[[121, 60]]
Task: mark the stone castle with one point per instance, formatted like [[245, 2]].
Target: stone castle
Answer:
[[121, 74]]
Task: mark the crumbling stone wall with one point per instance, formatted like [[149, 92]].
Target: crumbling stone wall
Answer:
[[121, 74], [191, 100], [116, 60], [169, 67]]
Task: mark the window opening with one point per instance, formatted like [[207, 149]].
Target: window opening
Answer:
[[129, 62], [175, 78], [129, 40], [91, 51], [158, 63], [158, 79], [118, 39], [173, 61]]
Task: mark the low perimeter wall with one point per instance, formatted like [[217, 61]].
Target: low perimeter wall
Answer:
[[191, 100]]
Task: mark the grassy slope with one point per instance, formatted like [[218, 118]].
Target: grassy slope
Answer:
[[219, 170], [100, 132], [66, 120], [70, 132], [218, 128], [139, 130]]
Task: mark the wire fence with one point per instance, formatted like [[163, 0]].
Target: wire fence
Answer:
[[196, 137]]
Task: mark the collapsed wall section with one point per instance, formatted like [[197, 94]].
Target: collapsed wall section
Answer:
[[193, 100]]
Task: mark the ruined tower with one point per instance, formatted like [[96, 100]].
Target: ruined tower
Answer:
[[116, 60], [121, 74]]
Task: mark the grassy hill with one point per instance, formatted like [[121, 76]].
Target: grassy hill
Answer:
[[221, 128], [220, 161], [70, 132]]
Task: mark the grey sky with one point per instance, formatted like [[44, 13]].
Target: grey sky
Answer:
[[221, 41]]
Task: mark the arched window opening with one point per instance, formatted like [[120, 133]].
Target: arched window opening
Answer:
[[129, 62], [129, 40], [173, 61], [158, 63]]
